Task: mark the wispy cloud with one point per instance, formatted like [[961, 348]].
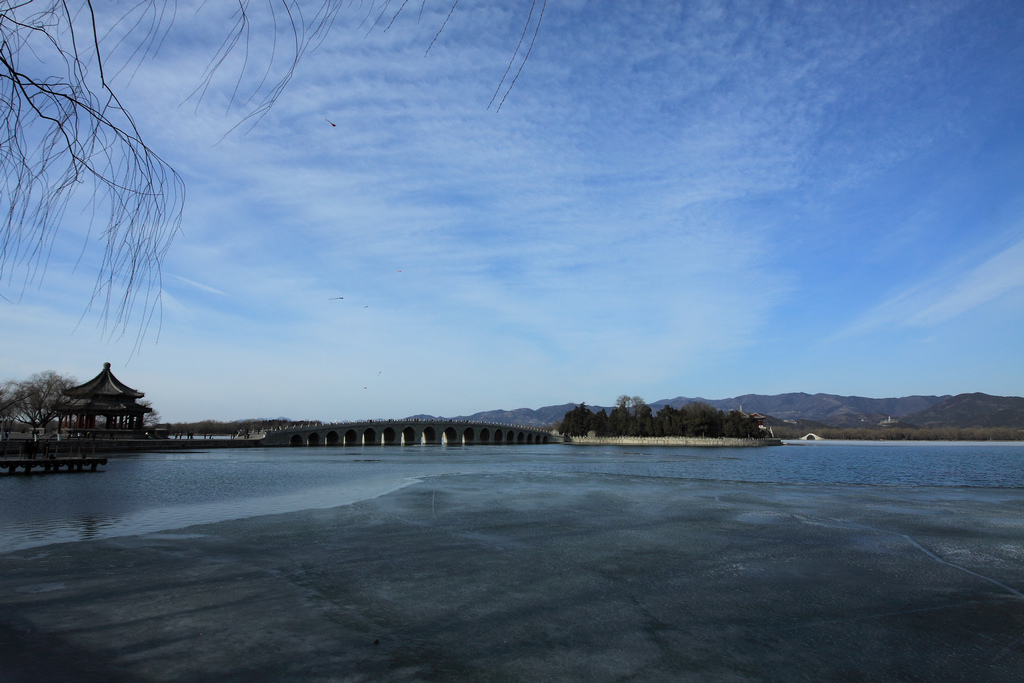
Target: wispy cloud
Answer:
[[998, 275], [950, 294], [675, 197], [199, 285]]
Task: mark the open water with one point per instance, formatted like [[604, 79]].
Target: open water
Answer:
[[150, 492]]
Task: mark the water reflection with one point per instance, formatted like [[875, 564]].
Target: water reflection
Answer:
[[31, 533], [91, 527]]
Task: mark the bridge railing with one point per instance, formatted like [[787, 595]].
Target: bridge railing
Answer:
[[341, 423]]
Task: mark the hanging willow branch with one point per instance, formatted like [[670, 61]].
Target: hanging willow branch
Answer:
[[66, 135]]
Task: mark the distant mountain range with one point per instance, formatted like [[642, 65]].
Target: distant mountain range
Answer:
[[962, 410], [829, 409], [527, 417], [972, 410]]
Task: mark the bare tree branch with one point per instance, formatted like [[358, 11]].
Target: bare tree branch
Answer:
[[41, 398], [65, 133]]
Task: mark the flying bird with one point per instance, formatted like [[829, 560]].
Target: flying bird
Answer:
[[335, 297], [331, 122]]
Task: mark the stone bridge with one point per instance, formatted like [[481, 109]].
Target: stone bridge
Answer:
[[409, 433]]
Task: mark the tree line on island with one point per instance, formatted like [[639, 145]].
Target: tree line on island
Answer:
[[631, 416]]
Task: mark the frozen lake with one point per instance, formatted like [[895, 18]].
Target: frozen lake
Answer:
[[822, 561], [162, 491]]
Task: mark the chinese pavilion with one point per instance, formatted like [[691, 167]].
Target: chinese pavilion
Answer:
[[107, 397]]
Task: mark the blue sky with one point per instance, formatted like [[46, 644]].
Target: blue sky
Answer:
[[699, 199]]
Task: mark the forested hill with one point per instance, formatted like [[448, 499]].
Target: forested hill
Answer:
[[963, 410], [972, 410]]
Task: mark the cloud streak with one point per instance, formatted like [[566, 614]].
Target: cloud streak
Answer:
[[950, 296]]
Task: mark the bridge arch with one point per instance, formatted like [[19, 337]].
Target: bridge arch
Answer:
[[408, 432]]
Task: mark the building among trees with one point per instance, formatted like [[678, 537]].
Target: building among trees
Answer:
[[104, 396]]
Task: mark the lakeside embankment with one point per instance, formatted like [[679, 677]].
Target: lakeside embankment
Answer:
[[720, 442]]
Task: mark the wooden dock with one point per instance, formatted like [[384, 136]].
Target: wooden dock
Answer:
[[49, 465]]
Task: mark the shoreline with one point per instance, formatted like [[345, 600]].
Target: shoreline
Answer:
[[704, 442]]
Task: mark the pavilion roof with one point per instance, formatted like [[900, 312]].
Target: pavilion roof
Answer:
[[104, 406], [104, 385]]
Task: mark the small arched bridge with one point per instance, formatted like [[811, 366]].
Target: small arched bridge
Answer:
[[409, 433]]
